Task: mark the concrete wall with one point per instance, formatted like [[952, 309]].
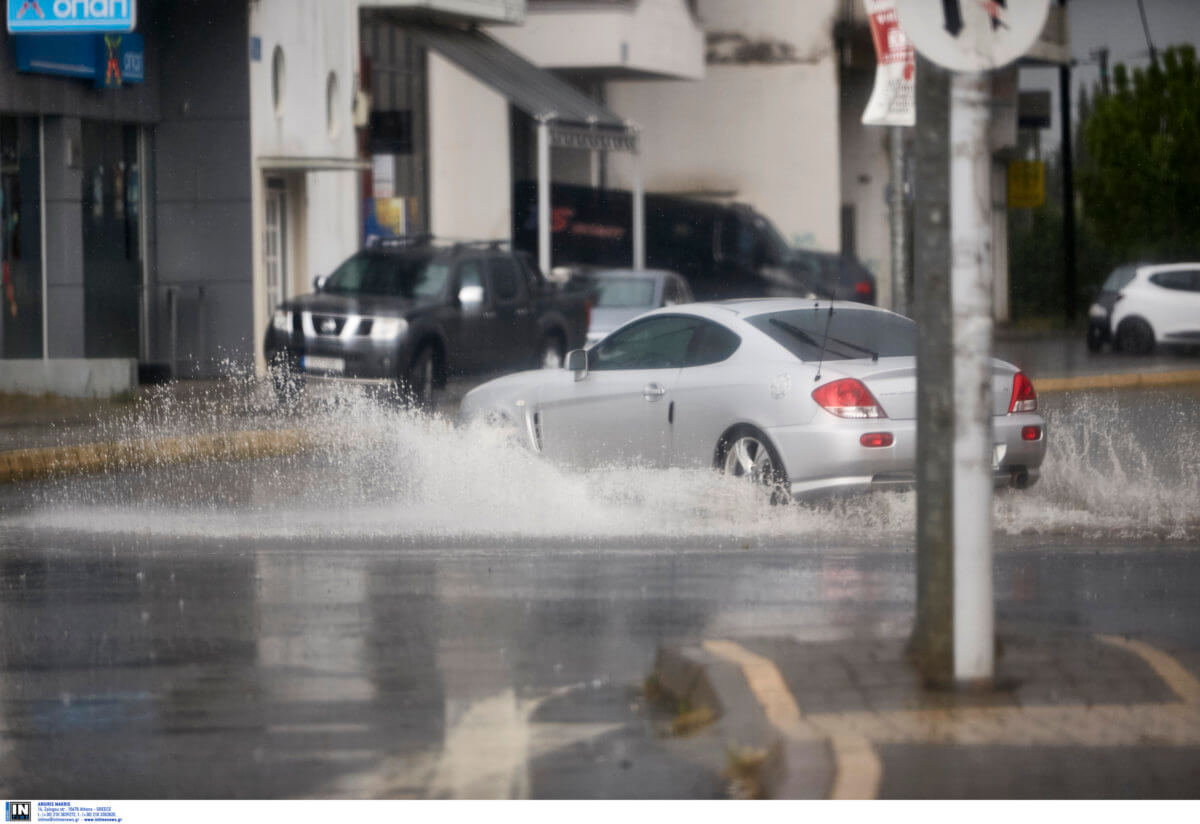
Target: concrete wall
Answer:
[[470, 180], [765, 135], [69, 377], [655, 37], [319, 43], [865, 176], [202, 200], [762, 126]]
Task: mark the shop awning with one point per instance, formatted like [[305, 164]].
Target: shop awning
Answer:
[[575, 120]]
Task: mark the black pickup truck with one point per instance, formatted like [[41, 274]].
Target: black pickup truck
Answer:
[[411, 313]]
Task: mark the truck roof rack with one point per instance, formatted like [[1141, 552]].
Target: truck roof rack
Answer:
[[427, 239]]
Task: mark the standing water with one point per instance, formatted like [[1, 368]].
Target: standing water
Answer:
[[1121, 466]]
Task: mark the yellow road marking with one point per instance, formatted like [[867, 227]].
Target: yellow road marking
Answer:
[[1182, 682], [859, 771], [1123, 380]]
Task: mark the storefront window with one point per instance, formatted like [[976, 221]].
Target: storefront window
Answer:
[[111, 240], [20, 238], [397, 136]]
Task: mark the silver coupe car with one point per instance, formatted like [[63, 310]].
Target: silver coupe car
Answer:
[[807, 397]]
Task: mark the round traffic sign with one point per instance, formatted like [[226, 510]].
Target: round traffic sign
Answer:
[[972, 35]]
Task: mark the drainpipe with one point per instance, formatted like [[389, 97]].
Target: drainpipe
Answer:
[[543, 184]]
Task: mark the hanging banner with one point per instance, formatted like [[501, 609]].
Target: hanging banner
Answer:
[[893, 101]]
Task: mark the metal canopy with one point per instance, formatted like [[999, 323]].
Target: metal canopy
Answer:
[[566, 118], [576, 121]]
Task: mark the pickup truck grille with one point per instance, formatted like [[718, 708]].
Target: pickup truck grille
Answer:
[[328, 325]]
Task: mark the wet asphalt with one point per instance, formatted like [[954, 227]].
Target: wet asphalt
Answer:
[[152, 650]]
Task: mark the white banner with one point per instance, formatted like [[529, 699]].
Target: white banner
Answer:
[[893, 101]]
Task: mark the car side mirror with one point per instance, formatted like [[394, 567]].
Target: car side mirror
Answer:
[[577, 362], [471, 296], [319, 282]]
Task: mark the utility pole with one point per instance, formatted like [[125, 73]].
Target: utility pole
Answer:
[[1070, 286], [954, 637], [896, 217], [932, 639]]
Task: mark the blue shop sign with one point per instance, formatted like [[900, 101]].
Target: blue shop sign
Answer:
[[59, 16], [110, 60]]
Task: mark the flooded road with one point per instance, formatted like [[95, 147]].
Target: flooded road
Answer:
[[416, 610]]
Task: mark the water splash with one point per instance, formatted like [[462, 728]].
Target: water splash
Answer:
[[388, 473]]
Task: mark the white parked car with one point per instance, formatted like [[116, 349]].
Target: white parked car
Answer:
[[1141, 306], [801, 395]]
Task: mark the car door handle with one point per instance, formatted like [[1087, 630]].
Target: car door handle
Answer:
[[524, 310], [653, 391], [488, 314]]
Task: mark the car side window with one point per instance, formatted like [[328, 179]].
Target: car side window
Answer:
[[711, 343], [655, 343], [506, 285], [470, 282], [1183, 280]]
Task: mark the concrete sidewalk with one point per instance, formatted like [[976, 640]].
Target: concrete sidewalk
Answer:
[[1071, 716]]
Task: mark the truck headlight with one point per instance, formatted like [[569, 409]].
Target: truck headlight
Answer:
[[282, 320], [388, 328]]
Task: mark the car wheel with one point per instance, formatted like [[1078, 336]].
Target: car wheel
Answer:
[[1135, 336], [747, 453], [1095, 338], [421, 378], [552, 353]]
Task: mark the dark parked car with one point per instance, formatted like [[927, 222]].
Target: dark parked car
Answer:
[[411, 312], [722, 250]]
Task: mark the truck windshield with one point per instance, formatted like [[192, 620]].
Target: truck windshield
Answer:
[[848, 335], [388, 275]]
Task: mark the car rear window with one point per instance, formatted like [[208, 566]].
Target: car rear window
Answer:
[[623, 292], [846, 334], [389, 275]]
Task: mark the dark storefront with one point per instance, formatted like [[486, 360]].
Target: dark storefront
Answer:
[[111, 196]]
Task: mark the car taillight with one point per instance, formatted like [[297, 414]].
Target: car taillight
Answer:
[[1024, 399], [875, 439], [848, 398], [1031, 433], [863, 288]]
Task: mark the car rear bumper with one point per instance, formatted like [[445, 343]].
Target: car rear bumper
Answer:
[[831, 459]]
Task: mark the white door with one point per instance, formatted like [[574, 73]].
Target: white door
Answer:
[[275, 257], [622, 411]]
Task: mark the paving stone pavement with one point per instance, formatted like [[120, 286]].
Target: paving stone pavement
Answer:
[[1070, 716]]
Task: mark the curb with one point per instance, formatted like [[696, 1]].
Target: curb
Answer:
[[699, 679], [1118, 380], [31, 464]]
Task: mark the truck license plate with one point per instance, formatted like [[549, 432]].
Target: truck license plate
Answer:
[[316, 363]]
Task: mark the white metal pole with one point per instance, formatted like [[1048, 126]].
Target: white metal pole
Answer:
[[639, 215], [543, 172], [971, 302], [42, 217]]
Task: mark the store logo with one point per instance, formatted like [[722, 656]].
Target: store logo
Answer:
[[30, 5], [112, 68], [18, 811]]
